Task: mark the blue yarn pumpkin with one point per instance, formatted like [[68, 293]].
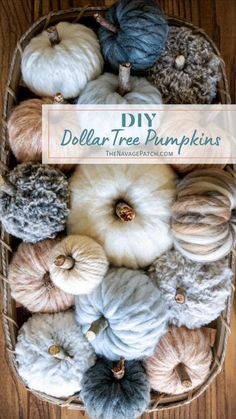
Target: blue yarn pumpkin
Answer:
[[109, 393], [140, 37]]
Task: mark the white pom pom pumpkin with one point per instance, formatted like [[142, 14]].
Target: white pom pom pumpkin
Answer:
[[61, 59], [78, 264], [52, 354], [126, 208]]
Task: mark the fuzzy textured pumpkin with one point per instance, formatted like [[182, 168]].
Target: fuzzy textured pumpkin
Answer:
[[124, 316], [61, 59], [188, 70], [78, 264], [195, 293], [30, 281], [203, 219], [181, 361], [115, 390], [185, 168], [52, 354], [126, 208], [25, 130], [133, 31], [34, 202]]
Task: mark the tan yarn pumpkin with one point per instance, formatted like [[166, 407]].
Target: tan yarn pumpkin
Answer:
[[185, 168], [203, 216], [30, 281], [78, 264], [181, 361], [25, 130]]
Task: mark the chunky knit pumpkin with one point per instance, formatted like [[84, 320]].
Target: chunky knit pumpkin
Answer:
[[126, 208], [124, 316]]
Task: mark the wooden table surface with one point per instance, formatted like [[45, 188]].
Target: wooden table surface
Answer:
[[217, 18]]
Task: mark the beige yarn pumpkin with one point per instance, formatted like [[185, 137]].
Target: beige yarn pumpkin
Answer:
[[30, 280], [203, 216], [181, 360], [78, 265]]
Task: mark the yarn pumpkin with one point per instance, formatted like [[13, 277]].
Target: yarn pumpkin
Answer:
[[133, 31], [126, 208], [115, 390], [124, 316], [78, 264], [30, 281], [185, 168], [52, 354], [203, 223], [188, 70], [34, 202], [181, 361], [195, 293], [61, 59], [25, 130]]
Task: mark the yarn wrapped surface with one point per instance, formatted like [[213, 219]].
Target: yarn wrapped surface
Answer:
[[197, 81], [148, 189], [136, 314], [65, 67], [40, 370], [108, 398], [142, 31], [39, 208], [190, 348], [30, 282], [204, 288], [89, 264], [203, 223]]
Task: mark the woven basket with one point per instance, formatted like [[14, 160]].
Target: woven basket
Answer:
[[14, 315]]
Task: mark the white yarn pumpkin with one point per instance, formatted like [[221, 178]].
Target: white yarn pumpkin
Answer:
[[52, 354], [124, 316], [139, 234], [78, 264], [64, 67]]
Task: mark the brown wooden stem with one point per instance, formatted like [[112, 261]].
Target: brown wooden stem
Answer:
[[182, 373], [179, 62], [105, 23], [125, 212], [124, 85], [59, 352], [119, 369], [180, 296], [58, 99], [6, 186], [96, 328], [53, 35], [64, 262]]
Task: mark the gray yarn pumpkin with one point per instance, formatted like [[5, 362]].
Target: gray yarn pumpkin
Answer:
[[37, 207], [193, 77], [133, 310], [106, 397], [195, 293], [141, 34]]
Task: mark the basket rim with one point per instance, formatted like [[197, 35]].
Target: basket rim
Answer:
[[9, 307]]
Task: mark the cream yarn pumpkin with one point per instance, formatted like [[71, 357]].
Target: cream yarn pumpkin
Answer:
[[203, 222], [126, 208], [61, 59], [52, 354], [78, 264], [30, 281], [181, 361]]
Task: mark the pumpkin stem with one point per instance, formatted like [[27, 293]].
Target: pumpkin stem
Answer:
[[64, 262], [105, 23], [124, 85], [180, 296], [179, 62], [119, 369], [6, 186], [96, 328], [58, 99], [59, 352], [182, 373], [53, 35], [124, 212]]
